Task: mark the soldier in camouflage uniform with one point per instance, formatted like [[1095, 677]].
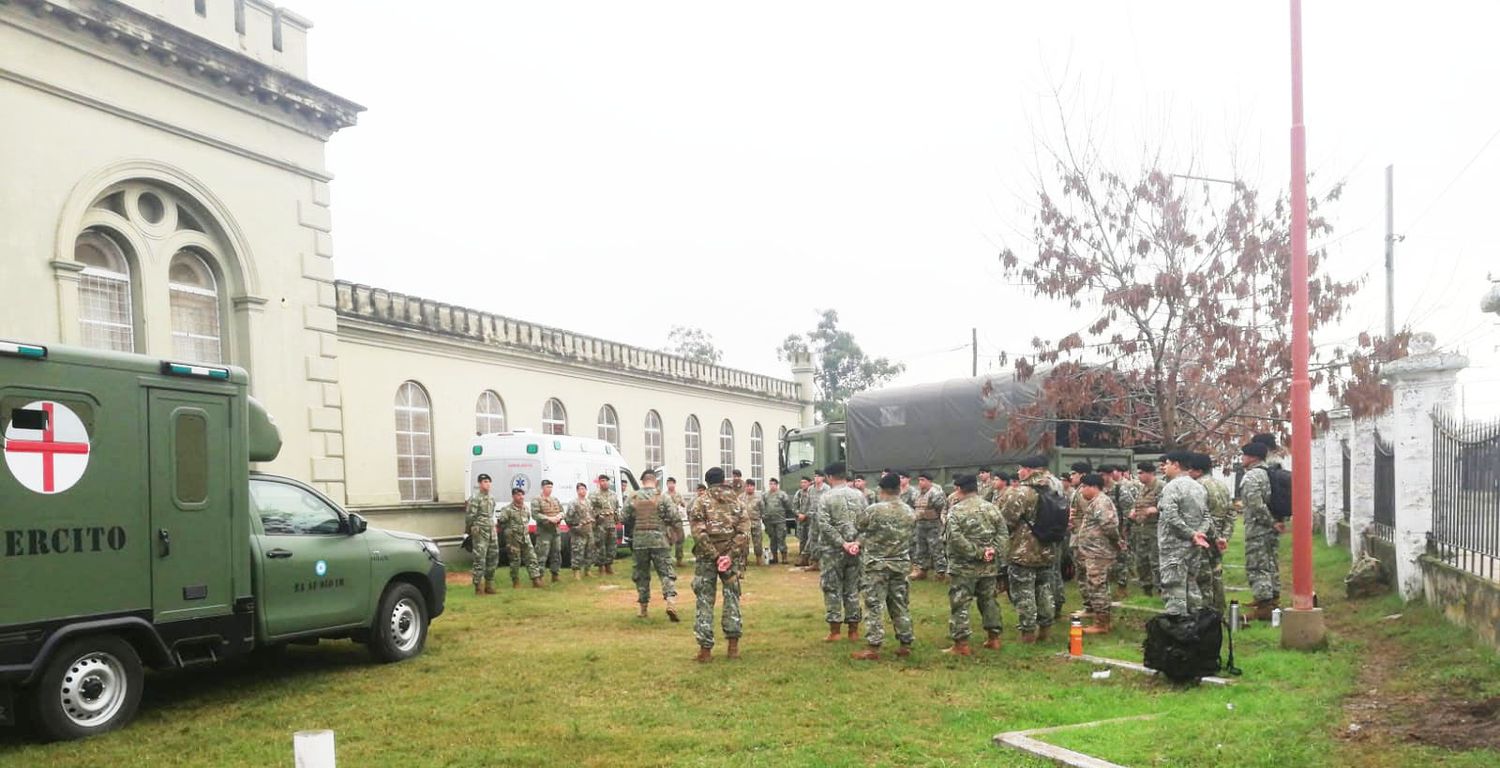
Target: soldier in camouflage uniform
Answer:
[[547, 512], [1221, 513], [1123, 493], [1262, 531], [803, 501], [1029, 560], [908, 494], [606, 507], [778, 508], [479, 519], [986, 480], [814, 532], [871, 496], [840, 567], [721, 544], [1098, 541], [976, 541], [1066, 558], [1143, 522], [679, 504], [513, 521], [652, 515], [927, 550], [885, 531], [1182, 535], [755, 504], [580, 519]]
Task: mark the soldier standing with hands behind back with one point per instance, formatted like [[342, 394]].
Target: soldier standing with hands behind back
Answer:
[[837, 509], [479, 518], [606, 516], [977, 541], [547, 512], [581, 531], [885, 531], [778, 507], [513, 520], [721, 544]]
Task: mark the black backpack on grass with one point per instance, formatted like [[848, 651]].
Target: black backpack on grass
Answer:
[[1051, 523], [1185, 648]]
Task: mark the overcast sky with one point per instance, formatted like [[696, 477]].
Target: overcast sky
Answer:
[[617, 168]]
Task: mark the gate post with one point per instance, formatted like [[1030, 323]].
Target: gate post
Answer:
[[1420, 383], [1333, 473], [1361, 484]]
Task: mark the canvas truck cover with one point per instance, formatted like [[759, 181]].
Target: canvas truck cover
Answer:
[[951, 423]]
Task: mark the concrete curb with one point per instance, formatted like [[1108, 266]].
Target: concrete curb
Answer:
[[1023, 741]]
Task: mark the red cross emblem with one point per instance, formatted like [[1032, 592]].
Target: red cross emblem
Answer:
[[49, 460]]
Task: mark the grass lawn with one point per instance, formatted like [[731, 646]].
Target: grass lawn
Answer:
[[569, 676]]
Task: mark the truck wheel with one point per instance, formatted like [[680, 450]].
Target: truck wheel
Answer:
[[90, 685], [400, 628]]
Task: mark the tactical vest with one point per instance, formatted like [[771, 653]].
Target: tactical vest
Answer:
[[550, 508], [924, 510], [646, 517]]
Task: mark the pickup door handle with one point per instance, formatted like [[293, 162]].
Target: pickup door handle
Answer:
[[279, 554], [166, 541]]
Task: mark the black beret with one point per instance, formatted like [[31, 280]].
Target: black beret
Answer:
[[1035, 462], [986, 471], [924, 476], [774, 480], [749, 481], [1094, 480], [1265, 438], [819, 473], [903, 473], [645, 473], [518, 490], [737, 473], [966, 483], [671, 479], [546, 482], [890, 483], [1256, 449], [1006, 476], [1203, 462], [483, 477], [1081, 466], [714, 476], [1178, 457], [836, 469], [1146, 466], [886, 471]]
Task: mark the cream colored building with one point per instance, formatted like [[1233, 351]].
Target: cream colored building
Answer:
[[163, 190]]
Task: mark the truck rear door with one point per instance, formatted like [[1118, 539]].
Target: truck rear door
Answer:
[[191, 504]]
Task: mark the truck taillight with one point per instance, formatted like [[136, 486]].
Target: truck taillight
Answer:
[[28, 351]]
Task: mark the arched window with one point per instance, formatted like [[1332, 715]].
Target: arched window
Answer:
[[106, 319], [692, 463], [726, 446], [489, 414], [414, 443], [195, 309], [757, 455], [554, 418], [609, 426], [655, 453]]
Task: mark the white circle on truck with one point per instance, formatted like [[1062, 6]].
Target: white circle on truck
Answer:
[[49, 460]]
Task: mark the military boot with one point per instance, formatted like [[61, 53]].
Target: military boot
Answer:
[[489, 587], [1043, 633], [679, 562], [478, 590], [536, 582], [871, 653], [642, 613], [942, 578], [734, 649], [834, 632], [577, 576], [609, 568], [919, 574], [1101, 625], [671, 610], [704, 655], [1028, 638], [904, 650], [993, 643], [759, 560], [1120, 592], [960, 648], [554, 577], [853, 631], [515, 583]]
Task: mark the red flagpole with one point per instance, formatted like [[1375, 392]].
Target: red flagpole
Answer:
[[1302, 586]]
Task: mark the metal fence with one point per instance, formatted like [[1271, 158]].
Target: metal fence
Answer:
[[1466, 494], [1384, 526]]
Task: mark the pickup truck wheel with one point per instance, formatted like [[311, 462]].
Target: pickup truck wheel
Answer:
[[90, 685], [400, 628]]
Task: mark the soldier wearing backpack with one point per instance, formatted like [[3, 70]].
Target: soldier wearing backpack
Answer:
[[1036, 514], [1262, 531]]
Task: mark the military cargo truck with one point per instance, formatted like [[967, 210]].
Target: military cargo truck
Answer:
[[134, 534], [944, 428]]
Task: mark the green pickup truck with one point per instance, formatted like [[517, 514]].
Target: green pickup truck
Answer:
[[134, 534]]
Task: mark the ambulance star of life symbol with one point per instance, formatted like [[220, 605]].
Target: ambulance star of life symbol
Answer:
[[321, 568], [52, 459]]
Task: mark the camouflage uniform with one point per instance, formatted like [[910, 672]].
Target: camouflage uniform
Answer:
[[839, 574], [1184, 511], [1123, 494], [755, 504], [814, 534], [885, 534], [871, 496], [928, 547], [676, 500], [778, 506], [908, 496], [652, 515], [580, 521], [1144, 540], [1029, 559], [479, 518], [1098, 544], [606, 507], [973, 526], [1261, 537], [548, 539], [513, 520], [1211, 573], [720, 527], [802, 501]]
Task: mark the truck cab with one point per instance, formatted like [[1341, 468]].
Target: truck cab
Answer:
[[135, 535]]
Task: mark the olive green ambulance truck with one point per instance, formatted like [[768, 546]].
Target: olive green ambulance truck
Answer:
[[134, 534]]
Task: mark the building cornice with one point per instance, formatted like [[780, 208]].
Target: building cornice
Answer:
[[182, 57], [383, 318]]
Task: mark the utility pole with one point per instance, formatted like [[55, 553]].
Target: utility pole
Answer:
[[974, 348], [1390, 252]]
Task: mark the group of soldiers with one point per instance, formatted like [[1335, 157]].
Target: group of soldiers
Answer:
[[868, 544]]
